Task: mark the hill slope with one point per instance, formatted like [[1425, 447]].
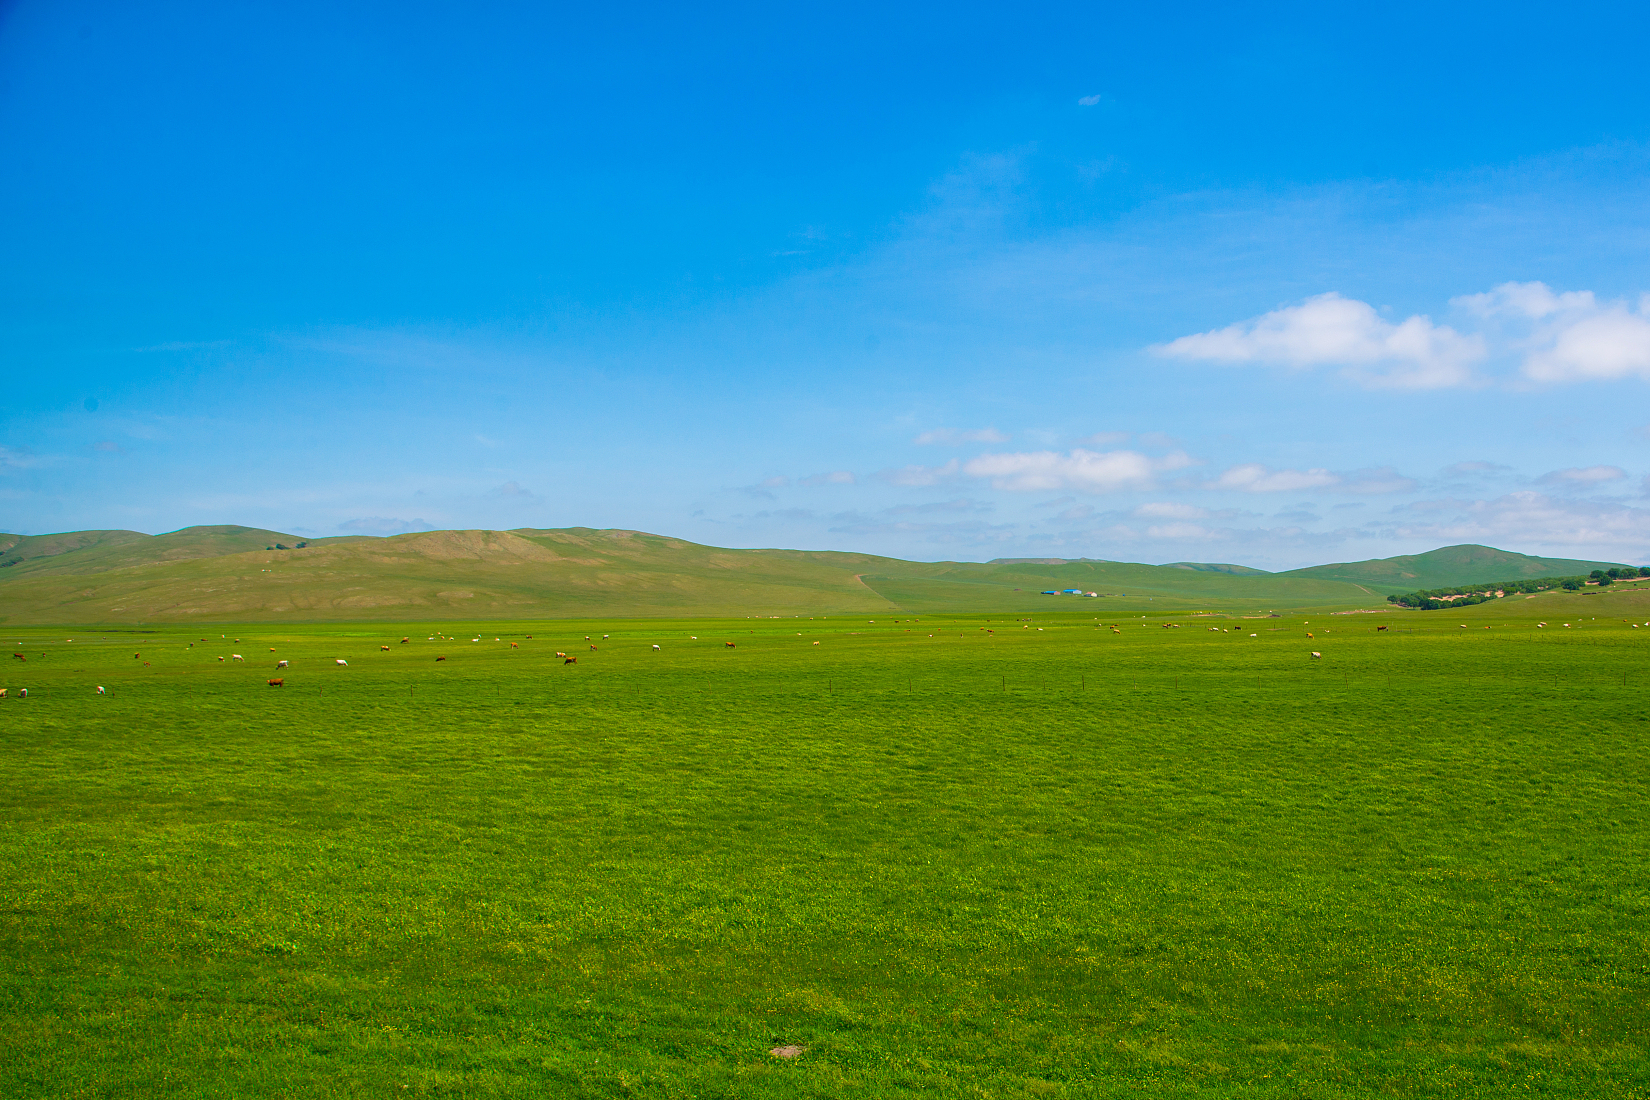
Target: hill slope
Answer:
[[1446, 566], [223, 574], [226, 574]]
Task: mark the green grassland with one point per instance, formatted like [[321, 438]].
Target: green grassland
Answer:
[[226, 574], [962, 856]]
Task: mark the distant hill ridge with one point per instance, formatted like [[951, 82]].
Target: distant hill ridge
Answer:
[[1449, 565], [228, 573]]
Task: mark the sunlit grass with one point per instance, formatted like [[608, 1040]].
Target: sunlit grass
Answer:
[[1057, 862]]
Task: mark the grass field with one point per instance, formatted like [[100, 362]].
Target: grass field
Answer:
[[1046, 861]]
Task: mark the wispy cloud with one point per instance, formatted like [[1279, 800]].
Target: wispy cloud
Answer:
[[764, 489], [383, 525], [1078, 470], [1167, 510], [836, 477], [957, 435], [920, 476], [512, 490], [1584, 475], [19, 458], [1252, 477], [1534, 522]]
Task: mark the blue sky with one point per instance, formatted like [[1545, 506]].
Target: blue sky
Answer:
[[1266, 284]]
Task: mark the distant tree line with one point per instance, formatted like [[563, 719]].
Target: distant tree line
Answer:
[[1432, 599]]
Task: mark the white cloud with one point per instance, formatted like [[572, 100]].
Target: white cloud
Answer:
[[1568, 337], [1164, 510], [1079, 470], [957, 435], [1613, 343], [1585, 475], [1089, 101], [1252, 477], [1530, 300], [1330, 330]]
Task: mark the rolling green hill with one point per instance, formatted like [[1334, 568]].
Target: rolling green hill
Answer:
[[1449, 565], [227, 573]]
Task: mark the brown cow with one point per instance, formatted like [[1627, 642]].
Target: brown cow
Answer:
[[441, 658], [571, 661], [24, 659], [513, 645], [730, 645], [404, 641], [1380, 628], [385, 648], [592, 647], [277, 683]]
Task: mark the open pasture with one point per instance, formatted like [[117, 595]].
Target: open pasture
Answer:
[[1028, 856]]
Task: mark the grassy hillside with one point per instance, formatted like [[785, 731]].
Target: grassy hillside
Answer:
[[1449, 565], [226, 573]]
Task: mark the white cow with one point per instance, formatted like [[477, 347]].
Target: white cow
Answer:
[[342, 661], [280, 664], [237, 657], [655, 649], [1316, 656], [100, 689]]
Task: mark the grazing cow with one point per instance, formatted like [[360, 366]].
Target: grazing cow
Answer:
[[220, 658], [655, 649], [404, 641], [1316, 656], [280, 664], [571, 661], [592, 647], [342, 661], [24, 659], [277, 683], [237, 656], [513, 645], [1380, 628], [816, 643], [2, 693], [730, 645], [441, 658], [100, 689], [272, 649], [1308, 633]]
